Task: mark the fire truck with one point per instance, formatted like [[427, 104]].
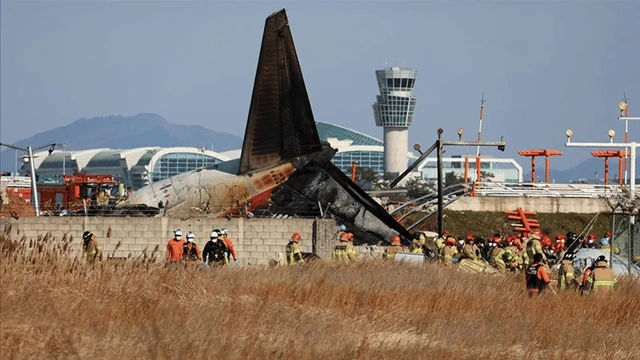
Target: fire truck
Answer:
[[74, 192], [67, 192]]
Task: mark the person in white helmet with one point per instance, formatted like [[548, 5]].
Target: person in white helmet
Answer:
[[229, 243], [191, 251], [175, 248], [214, 250]]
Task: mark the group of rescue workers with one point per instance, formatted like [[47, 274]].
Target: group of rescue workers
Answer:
[[532, 253], [218, 251]]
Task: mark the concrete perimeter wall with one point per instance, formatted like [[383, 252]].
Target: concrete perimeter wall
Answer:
[[539, 204], [256, 240]]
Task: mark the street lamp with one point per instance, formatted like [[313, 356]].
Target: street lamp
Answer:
[[29, 152], [439, 144], [632, 146]]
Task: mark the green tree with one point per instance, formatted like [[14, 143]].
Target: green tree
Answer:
[[365, 177], [451, 178], [418, 187]]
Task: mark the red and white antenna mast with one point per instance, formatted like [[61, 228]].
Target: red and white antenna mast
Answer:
[[624, 110], [479, 139]]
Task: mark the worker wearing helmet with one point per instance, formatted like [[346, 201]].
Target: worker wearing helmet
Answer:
[[91, 247], [175, 247], [441, 240], [536, 276], [229, 243], [514, 256], [417, 243], [559, 245], [448, 251], [395, 247], [566, 273], [470, 249], [498, 254], [215, 250], [589, 242], [533, 247], [191, 252], [605, 242], [294, 255], [345, 251], [602, 278]]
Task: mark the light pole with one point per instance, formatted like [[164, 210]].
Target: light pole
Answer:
[[439, 144], [64, 159], [34, 189], [632, 146]]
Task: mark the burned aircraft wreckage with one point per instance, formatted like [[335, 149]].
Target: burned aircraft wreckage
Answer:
[[284, 167]]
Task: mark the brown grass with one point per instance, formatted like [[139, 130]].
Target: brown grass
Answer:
[[55, 306]]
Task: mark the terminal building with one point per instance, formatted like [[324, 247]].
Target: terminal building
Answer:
[[133, 167]]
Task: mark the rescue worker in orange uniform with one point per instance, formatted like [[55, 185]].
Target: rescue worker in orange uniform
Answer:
[[345, 251], [395, 247], [602, 278], [294, 255], [175, 248], [191, 252], [559, 245], [470, 249], [566, 274], [92, 247], [448, 252], [231, 253], [536, 276]]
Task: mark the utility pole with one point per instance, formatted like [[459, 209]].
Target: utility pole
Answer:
[[439, 145], [29, 153]]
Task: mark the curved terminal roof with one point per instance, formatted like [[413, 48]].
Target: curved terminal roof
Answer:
[[326, 131]]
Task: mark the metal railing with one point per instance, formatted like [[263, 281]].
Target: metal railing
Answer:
[[547, 190]]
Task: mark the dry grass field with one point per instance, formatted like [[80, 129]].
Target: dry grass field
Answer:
[[55, 306]]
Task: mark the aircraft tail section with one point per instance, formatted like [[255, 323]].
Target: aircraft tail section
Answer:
[[280, 124]]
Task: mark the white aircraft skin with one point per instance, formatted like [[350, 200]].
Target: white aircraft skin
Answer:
[[211, 192]]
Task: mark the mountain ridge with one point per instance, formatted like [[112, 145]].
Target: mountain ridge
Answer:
[[124, 132]]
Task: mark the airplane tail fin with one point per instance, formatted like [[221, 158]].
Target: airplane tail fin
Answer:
[[280, 124]]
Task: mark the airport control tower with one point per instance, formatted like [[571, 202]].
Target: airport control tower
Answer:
[[393, 111]]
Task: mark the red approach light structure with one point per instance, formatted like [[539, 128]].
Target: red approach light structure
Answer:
[[606, 154], [533, 153], [526, 224]]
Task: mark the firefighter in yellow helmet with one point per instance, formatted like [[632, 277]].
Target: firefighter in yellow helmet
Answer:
[[602, 278], [345, 251], [294, 255], [391, 250]]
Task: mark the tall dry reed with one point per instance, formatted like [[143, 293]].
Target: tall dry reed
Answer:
[[54, 305]]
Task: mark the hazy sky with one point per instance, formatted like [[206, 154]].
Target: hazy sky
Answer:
[[543, 66]]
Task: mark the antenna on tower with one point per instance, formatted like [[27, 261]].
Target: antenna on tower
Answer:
[[482, 101]]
